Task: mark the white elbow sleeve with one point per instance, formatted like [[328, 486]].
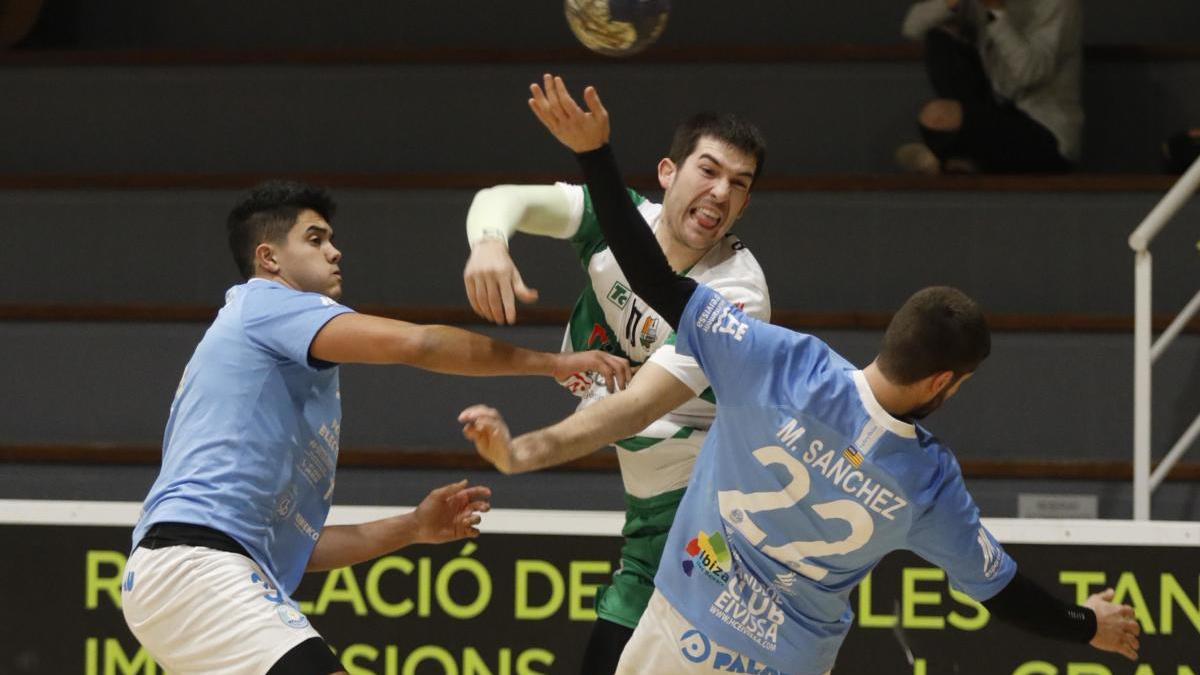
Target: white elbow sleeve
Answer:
[[499, 212]]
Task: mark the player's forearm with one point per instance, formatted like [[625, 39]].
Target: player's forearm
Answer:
[[1029, 606], [653, 393], [631, 241], [344, 545], [569, 440], [453, 351], [500, 212]]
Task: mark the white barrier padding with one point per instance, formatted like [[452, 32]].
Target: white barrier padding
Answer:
[[608, 523]]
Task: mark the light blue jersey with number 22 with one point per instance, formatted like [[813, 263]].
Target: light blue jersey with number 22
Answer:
[[802, 486]]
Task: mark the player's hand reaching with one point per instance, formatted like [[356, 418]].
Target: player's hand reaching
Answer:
[[557, 111], [484, 427], [1116, 629], [494, 284], [451, 512], [615, 370]]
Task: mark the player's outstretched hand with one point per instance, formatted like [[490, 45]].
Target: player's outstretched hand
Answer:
[[484, 427], [1116, 629], [614, 369], [451, 512], [557, 111], [494, 284]]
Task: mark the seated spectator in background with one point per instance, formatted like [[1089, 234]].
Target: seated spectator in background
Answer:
[[1007, 78]]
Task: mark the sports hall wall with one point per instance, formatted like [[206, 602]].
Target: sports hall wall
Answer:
[[117, 167]]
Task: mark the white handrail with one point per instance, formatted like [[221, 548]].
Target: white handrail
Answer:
[[1180, 447], [1166, 209], [1164, 340], [1146, 351]]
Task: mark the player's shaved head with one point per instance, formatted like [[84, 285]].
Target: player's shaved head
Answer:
[[268, 213], [725, 127], [937, 329]]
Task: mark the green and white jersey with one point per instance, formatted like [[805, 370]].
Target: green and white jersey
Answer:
[[656, 463], [609, 316]]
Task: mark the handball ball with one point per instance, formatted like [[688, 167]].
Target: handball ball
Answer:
[[617, 27]]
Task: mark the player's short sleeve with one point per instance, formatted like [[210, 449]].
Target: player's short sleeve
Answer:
[[950, 535], [284, 322], [683, 368], [743, 294], [744, 358], [588, 239]]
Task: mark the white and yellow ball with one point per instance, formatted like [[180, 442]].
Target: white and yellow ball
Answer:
[[617, 27]]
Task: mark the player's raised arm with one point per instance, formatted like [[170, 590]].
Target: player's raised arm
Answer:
[[492, 280], [1101, 623], [361, 338], [631, 241], [654, 392]]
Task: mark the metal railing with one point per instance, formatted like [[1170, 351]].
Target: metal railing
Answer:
[[1146, 350]]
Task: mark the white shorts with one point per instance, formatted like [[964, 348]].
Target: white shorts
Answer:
[[665, 643], [198, 610]]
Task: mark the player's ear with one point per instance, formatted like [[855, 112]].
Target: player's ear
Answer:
[[745, 206], [666, 172], [939, 381], [264, 258]]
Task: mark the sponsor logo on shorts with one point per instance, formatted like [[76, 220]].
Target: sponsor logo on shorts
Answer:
[[271, 594], [709, 554], [697, 648], [291, 616], [128, 585]]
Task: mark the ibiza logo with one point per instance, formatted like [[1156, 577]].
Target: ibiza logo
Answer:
[[618, 294], [710, 555]]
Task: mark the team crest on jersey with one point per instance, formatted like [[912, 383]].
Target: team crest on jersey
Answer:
[[619, 294], [649, 333], [710, 555]]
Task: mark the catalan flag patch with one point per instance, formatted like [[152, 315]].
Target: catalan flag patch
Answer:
[[853, 456]]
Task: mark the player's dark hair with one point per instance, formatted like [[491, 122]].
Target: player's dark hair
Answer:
[[267, 213], [938, 329], [725, 127]]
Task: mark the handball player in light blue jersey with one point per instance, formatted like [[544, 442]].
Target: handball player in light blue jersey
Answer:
[[812, 471], [237, 514]]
